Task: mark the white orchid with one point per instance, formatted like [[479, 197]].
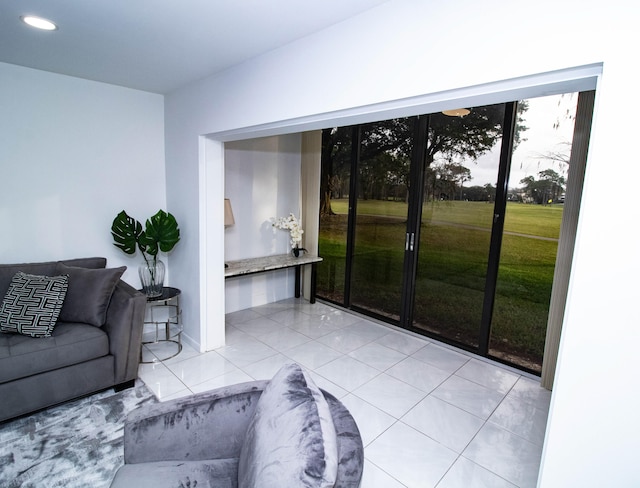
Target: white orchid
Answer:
[[292, 224]]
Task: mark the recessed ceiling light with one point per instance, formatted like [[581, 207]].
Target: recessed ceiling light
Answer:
[[39, 22]]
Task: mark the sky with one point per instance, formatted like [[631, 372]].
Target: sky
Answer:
[[541, 138]]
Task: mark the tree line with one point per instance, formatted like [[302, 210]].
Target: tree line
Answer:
[[383, 152]]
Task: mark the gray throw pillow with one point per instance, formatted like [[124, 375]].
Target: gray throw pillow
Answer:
[[32, 304], [291, 440], [89, 293]]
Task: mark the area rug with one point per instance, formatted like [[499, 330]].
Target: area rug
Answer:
[[75, 445]]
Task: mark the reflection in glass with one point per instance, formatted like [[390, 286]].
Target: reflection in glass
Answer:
[[540, 166], [334, 210], [462, 164]]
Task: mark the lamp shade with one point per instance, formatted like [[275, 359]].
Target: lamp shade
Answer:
[[228, 213]]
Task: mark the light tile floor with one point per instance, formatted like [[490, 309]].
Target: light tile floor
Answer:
[[430, 415]]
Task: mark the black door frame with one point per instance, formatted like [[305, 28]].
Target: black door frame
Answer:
[[497, 229], [414, 219]]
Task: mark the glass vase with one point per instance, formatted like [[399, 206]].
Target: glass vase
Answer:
[[152, 277]]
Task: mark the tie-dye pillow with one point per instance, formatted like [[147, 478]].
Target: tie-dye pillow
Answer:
[[291, 440]]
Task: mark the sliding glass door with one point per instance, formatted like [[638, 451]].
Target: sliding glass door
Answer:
[[418, 213], [410, 241]]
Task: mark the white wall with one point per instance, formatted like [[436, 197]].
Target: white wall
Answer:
[[73, 153], [262, 180], [406, 48]]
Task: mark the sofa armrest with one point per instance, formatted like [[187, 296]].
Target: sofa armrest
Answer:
[[209, 425], [125, 320]]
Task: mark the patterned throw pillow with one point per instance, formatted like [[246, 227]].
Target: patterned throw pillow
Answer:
[[32, 304]]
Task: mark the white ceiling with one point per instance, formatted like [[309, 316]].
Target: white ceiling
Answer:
[[159, 45]]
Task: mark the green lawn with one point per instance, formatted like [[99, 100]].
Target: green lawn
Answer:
[[534, 220], [452, 267]]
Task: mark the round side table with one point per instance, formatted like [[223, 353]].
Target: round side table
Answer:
[[164, 313]]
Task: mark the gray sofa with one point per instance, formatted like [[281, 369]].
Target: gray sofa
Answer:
[[282, 433], [94, 345]]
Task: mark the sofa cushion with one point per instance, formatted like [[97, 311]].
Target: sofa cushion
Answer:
[[215, 473], [291, 439], [8, 271], [22, 356], [45, 268], [32, 304], [89, 293]]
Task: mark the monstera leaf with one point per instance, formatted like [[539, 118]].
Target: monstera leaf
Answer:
[[162, 232], [126, 232]]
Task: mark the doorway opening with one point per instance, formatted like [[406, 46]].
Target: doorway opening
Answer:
[[449, 225]]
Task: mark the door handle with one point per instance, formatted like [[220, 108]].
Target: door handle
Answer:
[[409, 241]]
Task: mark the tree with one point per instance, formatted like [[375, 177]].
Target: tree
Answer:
[[335, 162], [453, 138], [490, 190], [485, 193], [385, 158], [549, 186], [555, 183], [449, 175], [561, 155]]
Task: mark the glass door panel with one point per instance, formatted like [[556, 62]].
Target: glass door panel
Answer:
[[532, 229], [457, 218], [334, 213], [381, 208]]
